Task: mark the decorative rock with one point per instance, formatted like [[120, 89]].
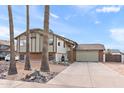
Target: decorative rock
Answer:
[[40, 77]]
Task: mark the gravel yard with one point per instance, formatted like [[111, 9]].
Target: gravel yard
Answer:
[[35, 65], [119, 67]]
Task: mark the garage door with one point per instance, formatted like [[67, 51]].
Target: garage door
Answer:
[[87, 56]]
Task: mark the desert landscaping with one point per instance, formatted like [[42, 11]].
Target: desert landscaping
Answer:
[[55, 69]]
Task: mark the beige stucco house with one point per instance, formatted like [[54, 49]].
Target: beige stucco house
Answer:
[[58, 45]]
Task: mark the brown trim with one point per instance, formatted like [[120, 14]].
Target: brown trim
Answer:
[[36, 52], [39, 43], [56, 44], [40, 52], [53, 43], [64, 44], [31, 44], [35, 42], [61, 53], [19, 44]]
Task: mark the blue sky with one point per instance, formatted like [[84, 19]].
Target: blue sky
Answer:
[[83, 24]]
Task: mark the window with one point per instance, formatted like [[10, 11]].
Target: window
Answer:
[[50, 41], [63, 44], [58, 43], [22, 42]]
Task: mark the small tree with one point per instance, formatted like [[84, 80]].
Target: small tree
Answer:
[[12, 67]]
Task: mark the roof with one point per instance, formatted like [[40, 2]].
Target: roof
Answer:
[[113, 51], [40, 31], [4, 42], [90, 47]]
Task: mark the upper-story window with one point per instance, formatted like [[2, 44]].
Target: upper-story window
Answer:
[[22, 42], [33, 35], [50, 41], [63, 44], [58, 43]]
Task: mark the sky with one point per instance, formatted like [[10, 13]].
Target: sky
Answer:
[[83, 24]]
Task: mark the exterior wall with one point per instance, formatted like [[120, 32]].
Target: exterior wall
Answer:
[[101, 55], [37, 42], [41, 43], [36, 45], [52, 56], [55, 44], [74, 54], [61, 48], [51, 37], [112, 58], [35, 56], [104, 57], [69, 55], [59, 55], [122, 59], [22, 44]]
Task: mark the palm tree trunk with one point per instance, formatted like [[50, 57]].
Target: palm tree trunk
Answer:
[[72, 56], [27, 59], [44, 64], [12, 67]]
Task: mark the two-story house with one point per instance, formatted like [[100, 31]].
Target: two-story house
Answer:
[[58, 45]]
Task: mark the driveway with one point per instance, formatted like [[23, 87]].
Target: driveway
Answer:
[[88, 74]]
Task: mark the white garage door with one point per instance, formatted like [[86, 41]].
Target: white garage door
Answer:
[[87, 56]]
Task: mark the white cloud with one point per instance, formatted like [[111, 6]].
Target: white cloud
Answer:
[[117, 35], [97, 22], [4, 32], [85, 6], [54, 16], [109, 9], [70, 16]]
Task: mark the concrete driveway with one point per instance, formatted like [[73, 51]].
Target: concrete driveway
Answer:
[[88, 74]]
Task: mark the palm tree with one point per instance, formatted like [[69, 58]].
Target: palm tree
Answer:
[[71, 52], [27, 60], [12, 67], [44, 64]]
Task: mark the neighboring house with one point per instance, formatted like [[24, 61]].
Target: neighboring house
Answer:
[[90, 52], [58, 45], [113, 55], [4, 48]]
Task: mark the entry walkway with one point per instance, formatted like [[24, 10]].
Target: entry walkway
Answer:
[[89, 74]]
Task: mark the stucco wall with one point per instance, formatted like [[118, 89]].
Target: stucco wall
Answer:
[[35, 43], [59, 55], [61, 48]]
